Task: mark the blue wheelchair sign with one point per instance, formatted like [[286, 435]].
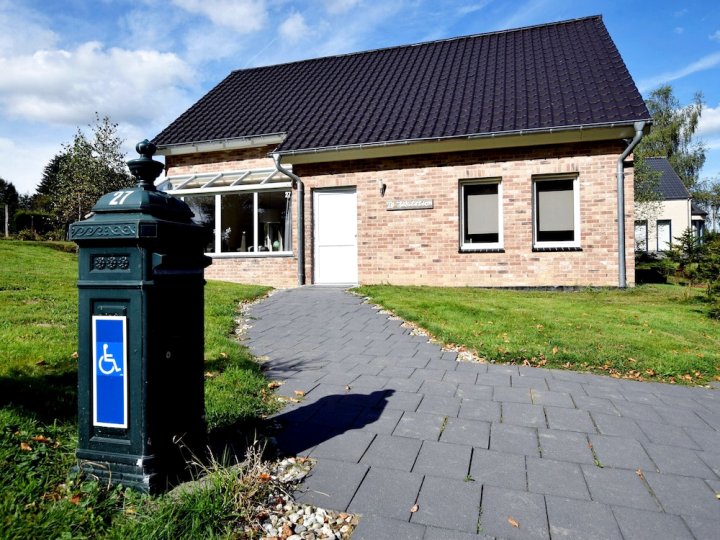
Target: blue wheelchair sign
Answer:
[[110, 403]]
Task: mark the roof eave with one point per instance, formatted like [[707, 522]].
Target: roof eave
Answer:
[[219, 145], [475, 141]]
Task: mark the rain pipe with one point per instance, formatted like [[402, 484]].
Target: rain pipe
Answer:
[[639, 126], [301, 216]]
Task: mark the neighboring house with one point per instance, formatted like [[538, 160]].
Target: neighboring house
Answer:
[[486, 160], [658, 225]]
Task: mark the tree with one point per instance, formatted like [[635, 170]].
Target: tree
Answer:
[[48, 188], [86, 170], [707, 195], [672, 136], [9, 200]]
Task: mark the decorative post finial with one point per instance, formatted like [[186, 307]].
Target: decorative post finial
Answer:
[[145, 169]]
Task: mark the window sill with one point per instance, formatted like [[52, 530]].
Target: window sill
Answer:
[[251, 255], [481, 250], [556, 249]]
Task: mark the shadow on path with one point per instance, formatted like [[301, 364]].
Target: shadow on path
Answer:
[[300, 429]]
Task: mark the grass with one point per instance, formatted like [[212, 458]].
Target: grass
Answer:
[[651, 332], [38, 402]]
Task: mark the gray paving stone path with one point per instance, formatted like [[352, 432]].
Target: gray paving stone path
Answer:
[[484, 450]]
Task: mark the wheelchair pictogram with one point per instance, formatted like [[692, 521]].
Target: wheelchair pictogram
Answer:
[[107, 358]]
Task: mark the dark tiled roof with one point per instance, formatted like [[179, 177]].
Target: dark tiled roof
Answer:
[[695, 210], [669, 183], [550, 76]]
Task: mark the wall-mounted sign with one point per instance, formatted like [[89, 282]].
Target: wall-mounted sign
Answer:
[[110, 383], [410, 204]]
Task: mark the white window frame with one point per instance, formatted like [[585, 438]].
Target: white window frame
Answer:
[[481, 246], [235, 182], [557, 244], [657, 235]]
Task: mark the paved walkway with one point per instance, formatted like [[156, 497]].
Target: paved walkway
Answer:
[[495, 450]]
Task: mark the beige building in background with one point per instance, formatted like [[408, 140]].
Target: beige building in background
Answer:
[[659, 224]]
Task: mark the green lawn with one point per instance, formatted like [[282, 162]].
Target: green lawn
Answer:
[[653, 332], [38, 401]]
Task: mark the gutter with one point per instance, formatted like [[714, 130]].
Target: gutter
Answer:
[[622, 271], [469, 136], [301, 216]]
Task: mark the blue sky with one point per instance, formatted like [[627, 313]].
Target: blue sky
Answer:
[[143, 62]]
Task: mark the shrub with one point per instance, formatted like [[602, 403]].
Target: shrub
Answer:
[[651, 268], [28, 235]]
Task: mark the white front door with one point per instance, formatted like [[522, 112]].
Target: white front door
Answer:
[[335, 216]]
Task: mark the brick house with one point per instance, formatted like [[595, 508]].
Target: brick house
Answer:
[[486, 160], [658, 224]]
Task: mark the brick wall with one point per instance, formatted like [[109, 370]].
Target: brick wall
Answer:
[[421, 246], [278, 272]]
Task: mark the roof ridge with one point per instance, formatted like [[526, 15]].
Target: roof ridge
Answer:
[[421, 43]]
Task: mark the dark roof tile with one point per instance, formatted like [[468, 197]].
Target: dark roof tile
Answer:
[[555, 75], [669, 184]]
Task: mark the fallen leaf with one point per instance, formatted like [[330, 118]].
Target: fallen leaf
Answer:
[[223, 355], [347, 387], [264, 477], [209, 374], [415, 508], [41, 363], [42, 439], [513, 522], [274, 384], [74, 355], [75, 499], [555, 350], [717, 496], [299, 393], [25, 447], [640, 474]]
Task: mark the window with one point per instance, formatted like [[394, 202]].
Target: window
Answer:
[[641, 238], [203, 206], [557, 214], [250, 222], [663, 234], [481, 215], [249, 211]]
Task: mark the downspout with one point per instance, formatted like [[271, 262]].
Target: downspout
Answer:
[[301, 217], [639, 126]]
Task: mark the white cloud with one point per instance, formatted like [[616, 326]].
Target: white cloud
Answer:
[[524, 15], [712, 144], [23, 163], [472, 8], [715, 36], [294, 28], [18, 25], [706, 62], [709, 121], [679, 30], [243, 16], [68, 87], [340, 6]]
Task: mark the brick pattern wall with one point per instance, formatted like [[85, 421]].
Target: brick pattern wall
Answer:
[[278, 272], [421, 247], [230, 160]]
